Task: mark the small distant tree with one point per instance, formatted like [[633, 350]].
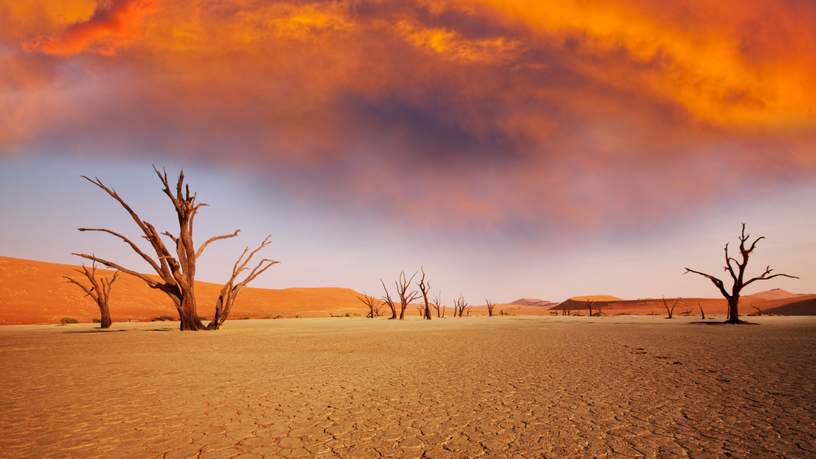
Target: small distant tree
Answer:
[[589, 307], [406, 295], [436, 303], [374, 305], [459, 306], [490, 306], [702, 312], [99, 290], [389, 301], [736, 269], [425, 287], [670, 308]]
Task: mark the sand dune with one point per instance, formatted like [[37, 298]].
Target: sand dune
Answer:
[[770, 302], [35, 292], [533, 302]]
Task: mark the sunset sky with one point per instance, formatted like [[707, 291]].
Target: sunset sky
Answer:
[[514, 148]]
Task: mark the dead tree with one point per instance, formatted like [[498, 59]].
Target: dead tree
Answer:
[[736, 269], [425, 287], [231, 288], [436, 303], [459, 306], [702, 312], [99, 290], [406, 295], [589, 306], [372, 304], [670, 309], [490, 307], [389, 301], [176, 269]]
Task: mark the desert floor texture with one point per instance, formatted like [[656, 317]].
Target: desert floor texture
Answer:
[[354, 387]]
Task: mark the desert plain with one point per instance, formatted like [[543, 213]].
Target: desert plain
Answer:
[[354, 387]]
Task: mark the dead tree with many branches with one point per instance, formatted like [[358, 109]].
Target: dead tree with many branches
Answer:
[[176, 269], [374, 305], [406, 295], [425, 287], [99, 290], [736, 270]]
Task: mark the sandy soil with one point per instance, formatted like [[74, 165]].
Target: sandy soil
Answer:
[[353, 387]]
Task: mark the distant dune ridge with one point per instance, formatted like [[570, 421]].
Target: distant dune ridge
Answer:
[[533, 302], [775, 301], [35, 292]]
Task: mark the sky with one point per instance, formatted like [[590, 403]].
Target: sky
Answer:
[[513, 148]]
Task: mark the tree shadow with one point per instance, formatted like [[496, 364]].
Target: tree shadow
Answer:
[[96, 330], [99, 330], [718, 322]]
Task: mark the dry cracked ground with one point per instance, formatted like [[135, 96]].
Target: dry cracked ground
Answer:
[[352, 387]]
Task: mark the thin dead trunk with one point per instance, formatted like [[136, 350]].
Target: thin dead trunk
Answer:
[[425, 287], [670, 308], [490, 307], [436, 303], [389, 301]]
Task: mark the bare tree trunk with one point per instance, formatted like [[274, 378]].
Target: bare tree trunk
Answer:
[[389, 301], [425, 287], [733, 310]]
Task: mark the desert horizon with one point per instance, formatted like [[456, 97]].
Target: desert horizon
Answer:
[[35, 292]]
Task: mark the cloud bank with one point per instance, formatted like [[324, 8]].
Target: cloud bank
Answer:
[[496, 113]]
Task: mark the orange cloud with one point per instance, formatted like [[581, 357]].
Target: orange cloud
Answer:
[[107, 30], [496, 111]]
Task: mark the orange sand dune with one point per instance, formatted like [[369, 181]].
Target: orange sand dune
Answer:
[[35, 292], [769, 302]]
